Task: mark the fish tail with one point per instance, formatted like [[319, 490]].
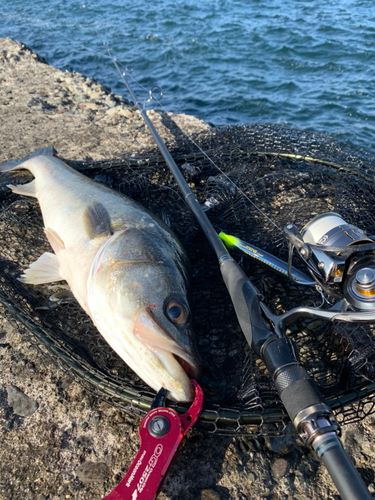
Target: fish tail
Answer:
[[7, 166]]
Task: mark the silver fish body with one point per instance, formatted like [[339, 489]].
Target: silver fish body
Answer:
[[125, 268]]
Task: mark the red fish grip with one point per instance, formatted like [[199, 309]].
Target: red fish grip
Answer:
[[161, 432]]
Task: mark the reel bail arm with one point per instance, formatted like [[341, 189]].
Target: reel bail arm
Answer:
[[294, 237]]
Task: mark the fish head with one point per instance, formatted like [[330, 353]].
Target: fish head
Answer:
[[138, 299]]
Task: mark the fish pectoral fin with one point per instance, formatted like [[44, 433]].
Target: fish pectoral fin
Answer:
[[54, 240], [44, 270], [28, 189], [96, 221]]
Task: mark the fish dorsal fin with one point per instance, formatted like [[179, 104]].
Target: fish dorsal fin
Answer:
[[54, 240], [44, 270], [96, 221]]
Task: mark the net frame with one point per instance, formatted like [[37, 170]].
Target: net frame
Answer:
[[288, 174]]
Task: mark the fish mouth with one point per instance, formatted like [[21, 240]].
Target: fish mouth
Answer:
[[178, 362], [190, 369]]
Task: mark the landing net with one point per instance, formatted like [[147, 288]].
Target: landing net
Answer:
[[291, 176]]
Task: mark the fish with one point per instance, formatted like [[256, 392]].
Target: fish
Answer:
[[124, 266]]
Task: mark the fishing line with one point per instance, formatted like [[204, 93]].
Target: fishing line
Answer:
[[239, 190], [149, 91]]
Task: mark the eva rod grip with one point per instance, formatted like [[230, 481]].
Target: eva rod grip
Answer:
[[343, 473], [245, 299]]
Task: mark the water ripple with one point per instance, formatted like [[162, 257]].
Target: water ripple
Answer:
[[309, 65]]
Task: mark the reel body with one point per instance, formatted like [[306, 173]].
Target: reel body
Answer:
[[345, 272], [341, 258]]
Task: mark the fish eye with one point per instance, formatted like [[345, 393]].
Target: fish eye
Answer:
[[176, 312]]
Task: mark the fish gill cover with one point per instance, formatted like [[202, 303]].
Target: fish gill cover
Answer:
[[291, 176]]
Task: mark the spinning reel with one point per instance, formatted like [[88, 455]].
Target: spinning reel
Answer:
[[341, 259]]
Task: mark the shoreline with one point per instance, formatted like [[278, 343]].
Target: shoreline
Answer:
[[76, 115]]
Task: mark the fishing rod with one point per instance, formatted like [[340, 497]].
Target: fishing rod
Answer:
[[306, 407]]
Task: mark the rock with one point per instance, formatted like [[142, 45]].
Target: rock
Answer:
[[92, 472], [126, 112], [22, 405], [96, 94], [279, 444], [9, 425], [112, 112], [110, 102], [279, 468], [118, 110], [80, 97], [209, 494], [251, 477], [89, 105]]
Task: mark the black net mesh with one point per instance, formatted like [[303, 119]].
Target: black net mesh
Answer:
[[290, 176]]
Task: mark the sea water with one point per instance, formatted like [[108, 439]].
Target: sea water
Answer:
[[307, 64]]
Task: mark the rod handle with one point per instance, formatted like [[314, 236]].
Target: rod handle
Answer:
[[245, 299], [312, 417]]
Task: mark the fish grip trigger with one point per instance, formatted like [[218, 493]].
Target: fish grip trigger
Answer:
[[161, 433]]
